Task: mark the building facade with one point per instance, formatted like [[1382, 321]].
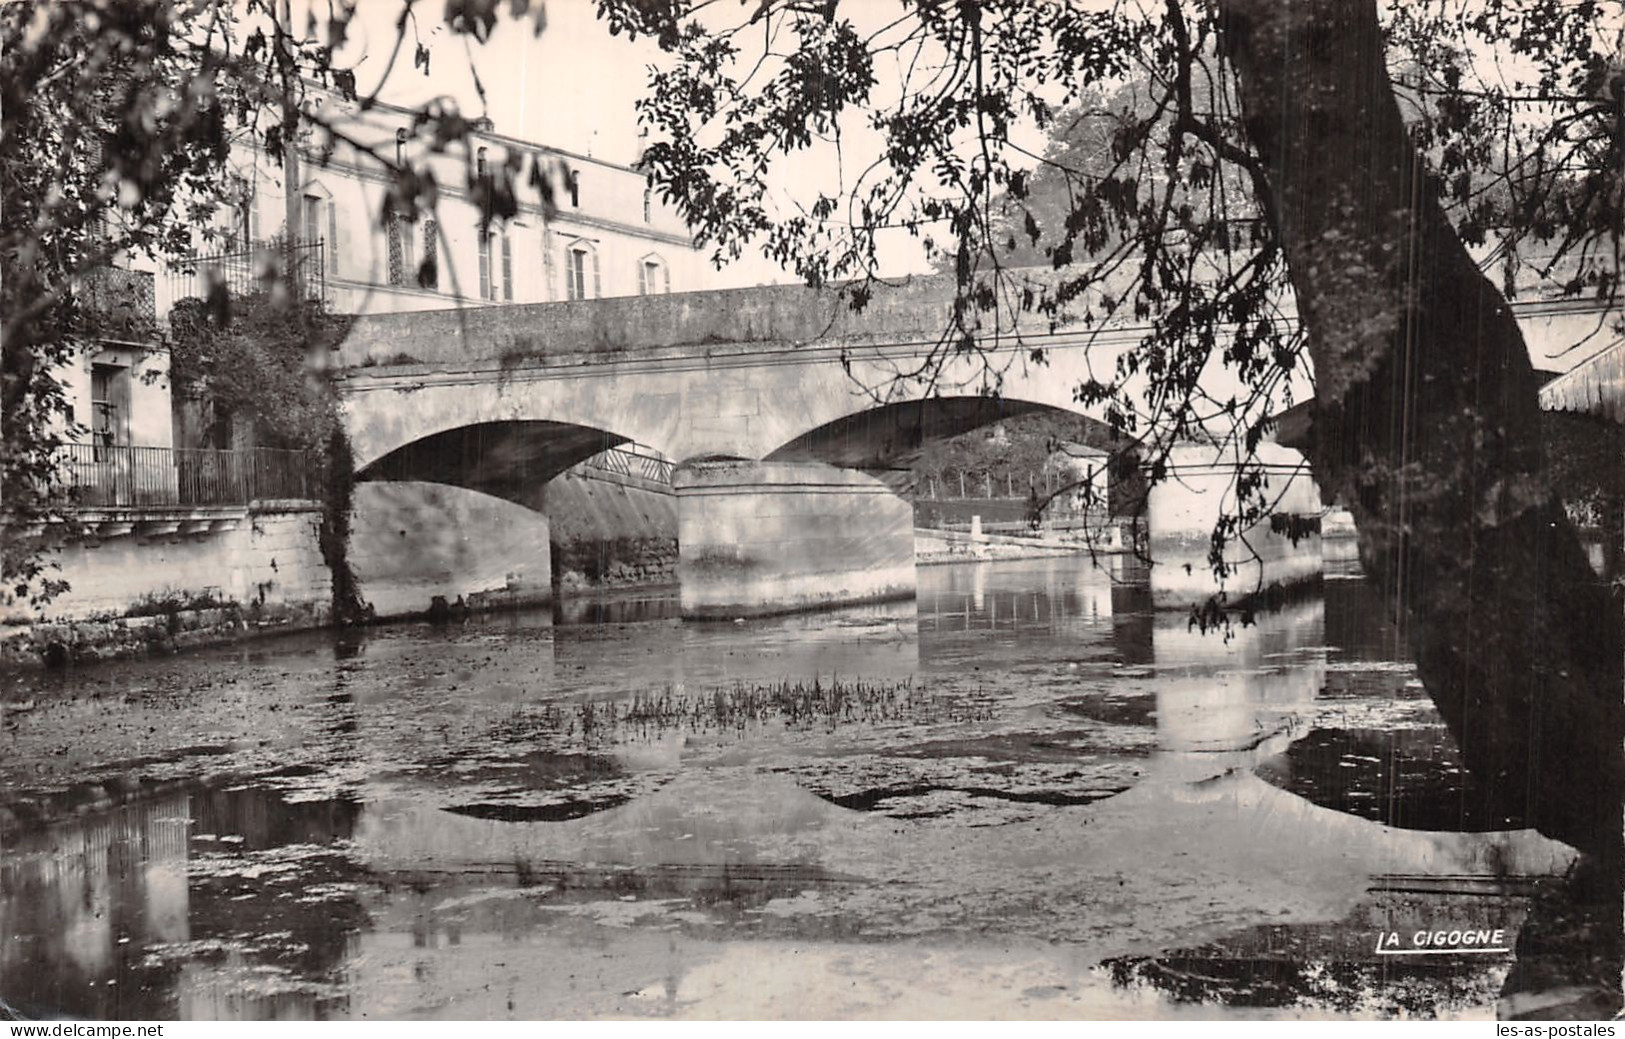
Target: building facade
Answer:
[[609, 233]]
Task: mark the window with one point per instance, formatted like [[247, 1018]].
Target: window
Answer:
[[319, 231], [217, 431], [507, 268], [109, 397], [479, 164], [490, 287], [102, 410], [575, 187], [400, 147], [312, 231], [485, 264], [402, 268], [244, 233], [575, 274], [581, 271], [549, 264], [653, 277], [648, 200], [243, 224], [429, 273]]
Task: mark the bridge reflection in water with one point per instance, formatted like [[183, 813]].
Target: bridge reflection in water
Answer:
[[994, 791]]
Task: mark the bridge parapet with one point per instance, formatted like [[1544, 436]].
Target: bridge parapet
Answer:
[[916, 308]]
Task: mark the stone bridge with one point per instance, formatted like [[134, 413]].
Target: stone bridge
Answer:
[[787, 409], [472, 397]]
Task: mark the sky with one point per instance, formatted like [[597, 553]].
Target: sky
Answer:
[[575, 87]]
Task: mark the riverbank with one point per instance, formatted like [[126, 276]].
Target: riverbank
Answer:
[[146, 583], [934, 547]]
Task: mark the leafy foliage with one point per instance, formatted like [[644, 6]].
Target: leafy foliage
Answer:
[[116, 120], [1528, 150], [258, 364], [1022, 444], [1149, 207], [1134, 210]]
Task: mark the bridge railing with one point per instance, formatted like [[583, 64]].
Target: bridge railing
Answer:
[[630, 461]]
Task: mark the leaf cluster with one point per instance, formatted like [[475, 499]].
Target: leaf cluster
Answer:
[[258, 363]]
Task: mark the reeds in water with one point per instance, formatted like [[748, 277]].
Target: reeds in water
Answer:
[[793, 704]]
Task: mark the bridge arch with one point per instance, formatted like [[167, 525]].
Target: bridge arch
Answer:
[[889, 436], [756, 399], [466, 515], [509, 459]]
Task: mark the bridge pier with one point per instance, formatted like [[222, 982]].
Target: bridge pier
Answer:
[[1281, 551], [758, 538]]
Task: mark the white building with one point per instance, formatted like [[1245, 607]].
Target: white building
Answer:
[[610, 234]]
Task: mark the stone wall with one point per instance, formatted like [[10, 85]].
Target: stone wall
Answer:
[[412, 544], [610, 532], [252, 570], [791, 313], [759, 538]]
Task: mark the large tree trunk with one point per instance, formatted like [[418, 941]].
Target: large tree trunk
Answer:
[[1427, 425]]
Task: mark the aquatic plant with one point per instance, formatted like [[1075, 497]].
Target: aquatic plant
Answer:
[[795, 704]]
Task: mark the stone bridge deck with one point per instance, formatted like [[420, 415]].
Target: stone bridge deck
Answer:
[[781, 372]]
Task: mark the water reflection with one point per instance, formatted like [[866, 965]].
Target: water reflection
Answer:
[[144, 909], [616, 607], [1229, 699], [1025, 770], [1035, 598]]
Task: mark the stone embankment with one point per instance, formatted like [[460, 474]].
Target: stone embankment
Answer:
[[416, 549], [953, 546], [138, 586], [611, 531], [110, 638]]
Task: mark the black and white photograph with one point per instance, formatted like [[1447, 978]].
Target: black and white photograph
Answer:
[[812, 510]]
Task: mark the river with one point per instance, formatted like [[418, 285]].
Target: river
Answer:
[[1023, 795]]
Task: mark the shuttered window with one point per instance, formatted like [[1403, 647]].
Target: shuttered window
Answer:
[[507, 268]]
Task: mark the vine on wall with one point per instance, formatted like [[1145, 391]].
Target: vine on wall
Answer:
[[262, 358]]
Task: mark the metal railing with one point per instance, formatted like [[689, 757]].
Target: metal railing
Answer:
[[298, 264], [977, 485], [1088, 520], [629, 461], [101, 476]]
